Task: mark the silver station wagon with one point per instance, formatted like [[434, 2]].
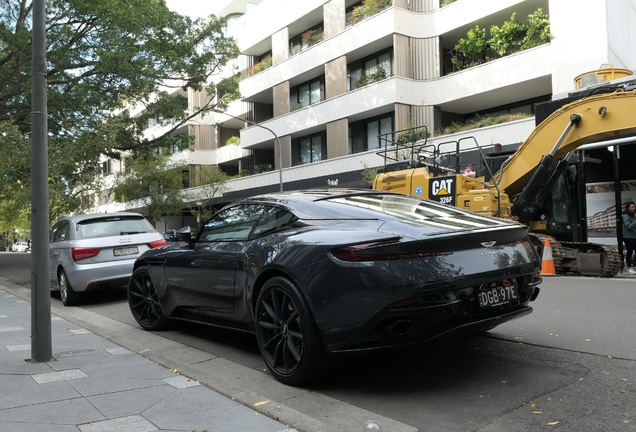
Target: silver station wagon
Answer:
[[97, 251]]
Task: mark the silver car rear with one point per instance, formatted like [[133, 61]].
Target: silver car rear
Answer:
[[91, 252]]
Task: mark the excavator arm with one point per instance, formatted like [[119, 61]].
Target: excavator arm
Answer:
[[584, 121]]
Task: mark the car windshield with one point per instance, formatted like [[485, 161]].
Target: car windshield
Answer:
[[112, 226]]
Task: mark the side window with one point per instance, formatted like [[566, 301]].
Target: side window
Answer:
[[274, 219], [59, 232], [235, 223]]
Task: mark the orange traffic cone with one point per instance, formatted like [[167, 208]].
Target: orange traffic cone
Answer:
[[547, 263]]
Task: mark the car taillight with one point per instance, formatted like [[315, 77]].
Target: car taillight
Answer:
[[157, 243], [376, 251], [523, 240], [383, 251], [79, 254]]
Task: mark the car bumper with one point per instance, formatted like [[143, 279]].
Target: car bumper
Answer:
[[90, 277], [411, 330]]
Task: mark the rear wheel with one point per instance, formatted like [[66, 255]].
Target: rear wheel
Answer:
[[144, 302], [67, 295], [287, 334]]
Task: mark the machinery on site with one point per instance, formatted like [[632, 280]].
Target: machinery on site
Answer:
[[538, 184]]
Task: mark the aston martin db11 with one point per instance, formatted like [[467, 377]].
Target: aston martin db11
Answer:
[[322, 273]]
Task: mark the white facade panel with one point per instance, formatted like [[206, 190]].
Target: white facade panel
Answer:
[[580, 41], [269, 17], [621, 18], [214, 157]]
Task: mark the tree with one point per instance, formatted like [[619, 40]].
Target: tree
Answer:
[[210, 182], [152, 181], [104, 59]]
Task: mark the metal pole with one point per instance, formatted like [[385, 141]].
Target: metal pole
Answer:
[[41, 349], [280, 148]]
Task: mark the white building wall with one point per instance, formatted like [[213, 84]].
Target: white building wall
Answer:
[[580, 41], [621, 19], [269, 17]]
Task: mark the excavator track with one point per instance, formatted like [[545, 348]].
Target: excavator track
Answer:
[[578, 258]]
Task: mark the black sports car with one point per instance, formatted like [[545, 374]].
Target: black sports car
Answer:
[[318, 273]]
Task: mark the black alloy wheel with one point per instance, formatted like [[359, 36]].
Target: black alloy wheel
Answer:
[[67, 295], [287, 334], [143, 301]]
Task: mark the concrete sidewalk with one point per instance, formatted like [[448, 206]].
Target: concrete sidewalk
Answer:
[[95, 385]]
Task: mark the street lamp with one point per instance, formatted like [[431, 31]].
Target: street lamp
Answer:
[[280, 148]]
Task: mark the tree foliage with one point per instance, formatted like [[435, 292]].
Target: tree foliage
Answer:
[[210, 182], [154, 182], [112, 66], [507, 39]]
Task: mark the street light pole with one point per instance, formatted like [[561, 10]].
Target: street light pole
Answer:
[[280, 148], [41, 348]]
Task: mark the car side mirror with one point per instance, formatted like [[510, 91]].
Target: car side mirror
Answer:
[[184, 234]]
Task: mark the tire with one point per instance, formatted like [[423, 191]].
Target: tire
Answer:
[[287, 335], [68, 296], [144, 302]]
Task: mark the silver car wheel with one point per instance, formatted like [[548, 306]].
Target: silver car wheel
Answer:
[[67, 295], [63, 287]]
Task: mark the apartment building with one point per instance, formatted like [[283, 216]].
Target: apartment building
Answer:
[[320, 82]]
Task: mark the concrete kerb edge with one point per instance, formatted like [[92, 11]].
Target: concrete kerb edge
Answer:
[[272, 409]]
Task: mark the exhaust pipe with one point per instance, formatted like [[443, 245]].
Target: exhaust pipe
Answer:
[[400, 327]]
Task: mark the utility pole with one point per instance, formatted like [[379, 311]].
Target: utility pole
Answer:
[[41, 348]]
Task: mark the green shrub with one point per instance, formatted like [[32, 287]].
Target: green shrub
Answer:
[[512, 36], [367, 9], [260, 66], [233, 140], [371, 78], [482, 122]]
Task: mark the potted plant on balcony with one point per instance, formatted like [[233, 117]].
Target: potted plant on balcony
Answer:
[[366, 9], [364, 80], [311, 37], [233, 141], [260, 66]]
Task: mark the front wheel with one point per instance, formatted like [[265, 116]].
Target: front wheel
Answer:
[[67, 295], [144, 302], [287, 334]]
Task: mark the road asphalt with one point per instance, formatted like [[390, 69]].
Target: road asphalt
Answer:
[[109, 376]]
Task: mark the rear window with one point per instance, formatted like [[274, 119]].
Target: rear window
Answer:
[[414, 210], [113, 226]]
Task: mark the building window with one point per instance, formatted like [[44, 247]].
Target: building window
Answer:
[[107, 167], [363, 135], [370, 69], [312, 148], [308, 93]]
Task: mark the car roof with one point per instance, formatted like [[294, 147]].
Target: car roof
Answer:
[[85, 217]]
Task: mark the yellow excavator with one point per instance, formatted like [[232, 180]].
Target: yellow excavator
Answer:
[[535, 185]]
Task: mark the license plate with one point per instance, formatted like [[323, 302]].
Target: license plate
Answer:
[[126, 251], [497, 294]]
